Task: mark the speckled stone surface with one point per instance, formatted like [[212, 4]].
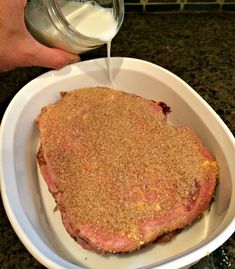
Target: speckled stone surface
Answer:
[[198, 47]]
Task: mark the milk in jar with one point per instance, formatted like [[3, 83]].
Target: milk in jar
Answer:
[[74, 26]]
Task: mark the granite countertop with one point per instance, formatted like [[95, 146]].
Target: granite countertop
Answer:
[[198, 47]]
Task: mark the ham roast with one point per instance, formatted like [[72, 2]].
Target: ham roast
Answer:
[[121, 176]]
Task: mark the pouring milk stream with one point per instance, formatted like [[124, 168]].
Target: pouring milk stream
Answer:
[[75, 26], [93, 21]]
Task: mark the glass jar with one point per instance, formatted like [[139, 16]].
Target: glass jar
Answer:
[[72, 25]]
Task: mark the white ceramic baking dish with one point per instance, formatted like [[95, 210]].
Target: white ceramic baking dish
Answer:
[[29, 205]]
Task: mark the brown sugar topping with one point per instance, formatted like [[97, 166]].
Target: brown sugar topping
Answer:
[[116, 160]]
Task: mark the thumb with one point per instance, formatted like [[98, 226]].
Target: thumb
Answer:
[[52, 57]]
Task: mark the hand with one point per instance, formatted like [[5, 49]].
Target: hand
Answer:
[[17, 46]]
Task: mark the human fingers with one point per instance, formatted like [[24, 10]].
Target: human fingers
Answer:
[[33, 53], [52, 57]]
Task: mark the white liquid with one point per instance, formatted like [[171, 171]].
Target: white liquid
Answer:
[[91, 20], [110, 79]]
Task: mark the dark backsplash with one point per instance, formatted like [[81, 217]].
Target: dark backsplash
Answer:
[[180, 5]]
